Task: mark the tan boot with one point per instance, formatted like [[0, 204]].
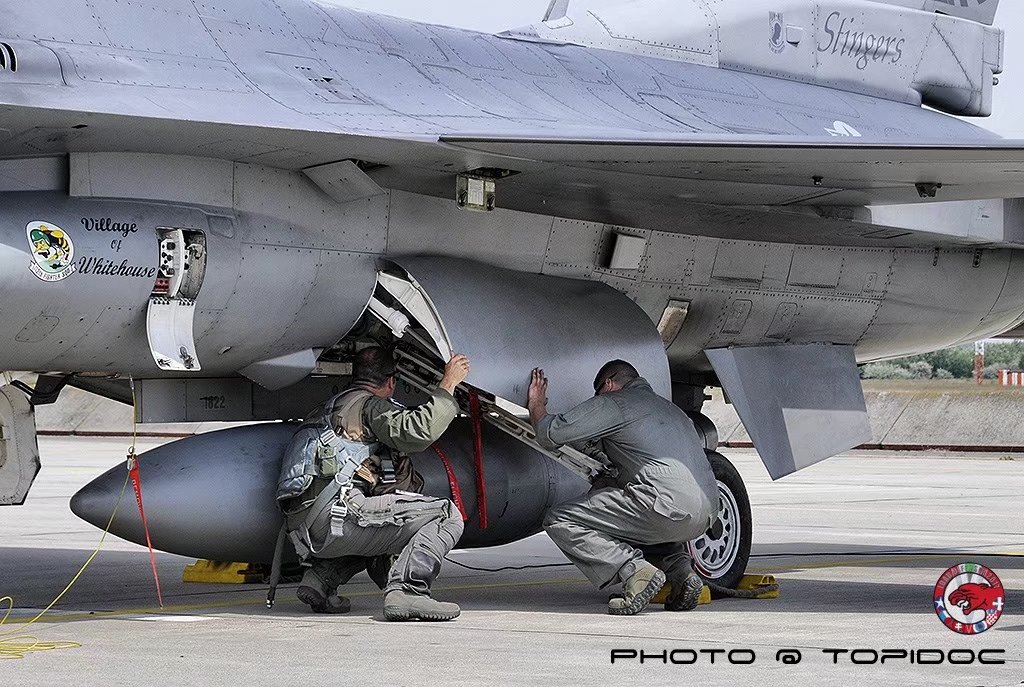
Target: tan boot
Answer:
[[638, 590], [401, 606]]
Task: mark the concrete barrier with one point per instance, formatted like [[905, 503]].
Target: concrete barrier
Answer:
[[922, 415]]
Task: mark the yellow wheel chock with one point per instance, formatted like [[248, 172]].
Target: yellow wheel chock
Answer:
[[749, 583], [216, 572]]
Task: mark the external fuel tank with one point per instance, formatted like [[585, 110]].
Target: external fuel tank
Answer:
[[211, 496]]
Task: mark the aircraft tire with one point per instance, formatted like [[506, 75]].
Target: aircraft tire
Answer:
[[721, 555]]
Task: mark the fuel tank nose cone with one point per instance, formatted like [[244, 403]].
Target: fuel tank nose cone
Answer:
[[209, 496], [95, 502]]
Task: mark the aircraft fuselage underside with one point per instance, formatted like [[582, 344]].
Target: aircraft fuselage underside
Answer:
[[289, 270]]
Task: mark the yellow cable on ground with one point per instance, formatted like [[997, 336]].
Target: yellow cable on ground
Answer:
[[22, 645], [14, 645]]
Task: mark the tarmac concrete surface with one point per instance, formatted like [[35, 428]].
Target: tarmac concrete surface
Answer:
[[857, 544], [943, 413]]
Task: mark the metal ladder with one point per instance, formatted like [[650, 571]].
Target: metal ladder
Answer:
[[422, 375]]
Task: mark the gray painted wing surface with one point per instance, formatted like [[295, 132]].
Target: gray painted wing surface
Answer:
[[800, 404], [802, 171], [294, 84], [509, 322]]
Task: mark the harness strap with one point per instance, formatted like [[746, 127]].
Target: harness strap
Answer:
[[275, 567], [331, 494], [351, 422], [453, 481], [351, 425], [478, 457]]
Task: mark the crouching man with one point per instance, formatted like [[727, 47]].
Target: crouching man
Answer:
[[347, 489], [665, 492]]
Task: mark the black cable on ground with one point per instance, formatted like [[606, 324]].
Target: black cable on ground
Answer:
[[717, 589], [764, 589], [875, 554], [741, 593], [510, 567]]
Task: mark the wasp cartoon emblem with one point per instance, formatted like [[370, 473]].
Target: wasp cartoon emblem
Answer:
[[53, 251]]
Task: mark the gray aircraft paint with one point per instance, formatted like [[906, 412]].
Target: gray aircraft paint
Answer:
[[279, 287], [875, 47], [749, 207], [96, 318], [499, 17], [564, 324], [19, 451], [788, 418], [498, 83]]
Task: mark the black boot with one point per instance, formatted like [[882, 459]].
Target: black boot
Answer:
[[686, 588], [318, 588], [378, 568]]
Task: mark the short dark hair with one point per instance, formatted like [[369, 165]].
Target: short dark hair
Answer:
[[616, 370], [373, 366]]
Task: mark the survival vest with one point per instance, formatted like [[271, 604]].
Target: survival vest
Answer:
[[317, 450]]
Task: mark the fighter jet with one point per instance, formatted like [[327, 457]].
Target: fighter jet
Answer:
[[208, 206]]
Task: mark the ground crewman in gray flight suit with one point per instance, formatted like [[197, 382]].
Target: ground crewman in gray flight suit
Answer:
[[665, 490], [378, 516]]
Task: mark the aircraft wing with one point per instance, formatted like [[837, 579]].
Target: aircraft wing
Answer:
[[690, 183], [759, 171], [611, 166], [623, 177], [624, 135]]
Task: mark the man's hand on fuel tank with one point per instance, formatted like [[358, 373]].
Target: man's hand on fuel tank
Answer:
[[455, 373], [537, 402]]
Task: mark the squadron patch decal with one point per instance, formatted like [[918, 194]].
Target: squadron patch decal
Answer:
[[53, 251]]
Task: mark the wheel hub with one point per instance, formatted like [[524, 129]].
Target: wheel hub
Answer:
[[715, 552]]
